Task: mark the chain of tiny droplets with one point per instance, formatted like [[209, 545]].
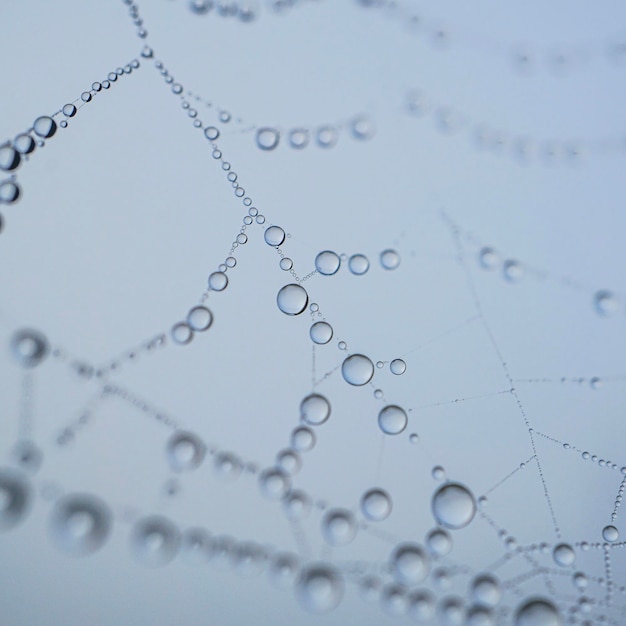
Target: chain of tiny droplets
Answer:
[[133, 12], [68, 433], [618, 499]]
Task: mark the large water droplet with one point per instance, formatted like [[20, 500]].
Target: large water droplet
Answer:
[[15, 498], [69, 110], [274, 483], [315, 409], [267, 138], [392, 419], [397, 367], [357, 369], [389, 259], [274, 236], [376, 505], [24, 143], [155, 541], [44, 126], [29, 347], [485, 590], [185, 451], [199, 318], [610, 533], [439, 542], [292, 299], [338, 527], [321, 333], [327, 262], [537, 612], [80, 524], [319, 588], [453, 506], [218, 281], [563, 555], [358, 264], [9, 158], [410, 564]]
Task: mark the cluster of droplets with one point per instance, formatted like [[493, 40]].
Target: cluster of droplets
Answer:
[[328, 262], [242, 11]]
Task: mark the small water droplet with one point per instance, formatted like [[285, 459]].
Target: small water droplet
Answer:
[[303, 439], [292, 299], [563, 555], [512, 271], [439, 542], [199, 318], [397, 367], [9, 192], [338, 527], [181, 333], [392, 420], [485, 590], [185, 451], [283, 570], [211, 133], [267, 138], [358, 264], [327, 262], [297, 505], [376, 505], [44, 126], [9, 157], [29, 347], [326, 136], [289, 461], [24, 143], [274, 483], [438, 473], [299, 138], [155, 541], [227, 466], [319, 588], [389, 259], [610, 533], [409, 563], [218, 281], [285, 264], [362, 128], [421, 605], [321, 333]]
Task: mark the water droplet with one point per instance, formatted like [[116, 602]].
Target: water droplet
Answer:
[[267, 138], [185, 451], [285, 264], [358, 264], [292, 299], [580, 580], [155, 541], [453, 506], [362, 128], [376, 505], [200, 7], [80, 524], [9, 157], [438, 473], [389, 259], [392, 420], [211, 133], [197, 546], [326, 137], [218, 281], [315, 409], [488, 258], [479, 616], [439, 542], [537, 612], [357, 369], [452, 611], [414, 438], [393, 599], [303, 439], [227, 466], [321, 333], [421, 605], [378, 393], [319, 588], [181, 333], [249, 558], [512, 271], [9, 192], [605, 302], [274, 236], [44, 126], [338, 527], [85, 96], [410, 564], [15, 498], [225, 117], [563, 555], [24, 143], [289, 461], [485, 590], [327, 262], [297, 505], [283, 570], [274, 483], [397, 367], [199, 318], [610, 533], [299, 138]]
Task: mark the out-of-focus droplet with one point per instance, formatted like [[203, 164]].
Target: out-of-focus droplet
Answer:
[[181, 333], [24, 143], [338, 527], [319, 588], [199, 318], [439, 542], [227, 466], [362, 128], [29, 347], [563, 555], [185, 451], [274, 483], [15, 498], [376, 505], [267, 138], [537, 612], [605, 302], [326, 136], [358, 264], [410, 563], [154, 541], [303, 439], [485, 590], [9, 192]]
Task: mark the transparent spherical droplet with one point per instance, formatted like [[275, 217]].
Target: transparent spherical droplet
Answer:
[[154, 541], [185, 451], [327, 262], [410, 563], [211, 133], [326, 136], [389, 259], [297, 505], [9, 192], [397, 367], [24, 143], [358, 264], [199, 318], [580, 580], [393, 599], [338, 527], [451, 611], [225, 117], [274, 483], [362, 128], [285, 264], [69, 110], [378, 393], [453, 506], [303, 439], [9, 158], [196, 546], [267, 138], [289, 461], [27, 455], [15, 498], [319, 588], [488, 258], [292, 299], [421, 605], [283, 570], [610, 533], [357, 369], [605, 302], [537, 612], [414, 438], [227, 466], [85, 96], [485, 590], [299, 138], [274, 236], [392, 419], [438, 473], [218, 281], [376, 505], [439, 542], [321, 333], [80, 524], [512, 271], [44, 126], [314, 409], [563, 555], [181, 333], [29, 347]]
